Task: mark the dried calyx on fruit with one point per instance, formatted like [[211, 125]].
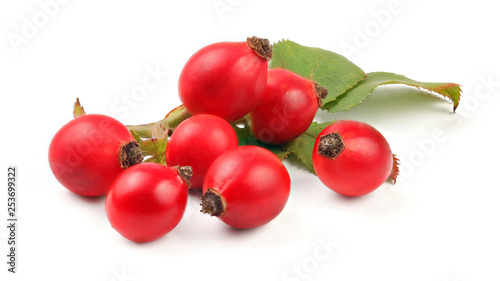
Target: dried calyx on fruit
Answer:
[[130, 154], [261, 47], [213, 203], [330, 146]]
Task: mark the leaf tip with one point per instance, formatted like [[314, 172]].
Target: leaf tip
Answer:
[[136, 136], [459, 95], [451, 91]]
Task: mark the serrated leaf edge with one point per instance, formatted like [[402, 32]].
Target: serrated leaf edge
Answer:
[[437, 90]]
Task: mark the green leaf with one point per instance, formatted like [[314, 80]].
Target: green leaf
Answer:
[[136, 136], [303, 146], [245, 137], [364, 89], [332, 71], [155, 148], [316, 128]]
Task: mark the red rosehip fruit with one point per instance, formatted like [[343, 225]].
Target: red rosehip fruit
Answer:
[[352, 158], [246, 187], [226, 79], [147, 201], [90, 151], [287, 108], [197, 142]]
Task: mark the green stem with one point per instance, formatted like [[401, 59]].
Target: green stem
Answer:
[[176, 116], [164, 127], [144, 131]]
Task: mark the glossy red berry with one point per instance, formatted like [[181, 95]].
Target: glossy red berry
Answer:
[[246, 187], [197, 142], [90, 151], [147, 201], [352, 158], [225, 79], [287, 108]]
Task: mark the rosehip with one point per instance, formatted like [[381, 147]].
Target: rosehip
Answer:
[[147, 201], [246, 187], [90, 151], [287, 108], [225, 79], [197, 142], [352, 158]]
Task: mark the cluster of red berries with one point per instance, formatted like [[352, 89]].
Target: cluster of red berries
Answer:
[[244, 186]]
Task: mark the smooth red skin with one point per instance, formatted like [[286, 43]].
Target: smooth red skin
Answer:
[[362, 167], [287, 108], [254, 183], [83, 154], [197, 142], [224, 79], [146, 202]]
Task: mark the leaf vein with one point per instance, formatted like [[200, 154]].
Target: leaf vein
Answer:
[[316, 68]]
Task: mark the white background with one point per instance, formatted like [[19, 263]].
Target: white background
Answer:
[[439, 222]]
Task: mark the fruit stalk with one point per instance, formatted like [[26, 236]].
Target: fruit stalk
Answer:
[[163, 127]]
